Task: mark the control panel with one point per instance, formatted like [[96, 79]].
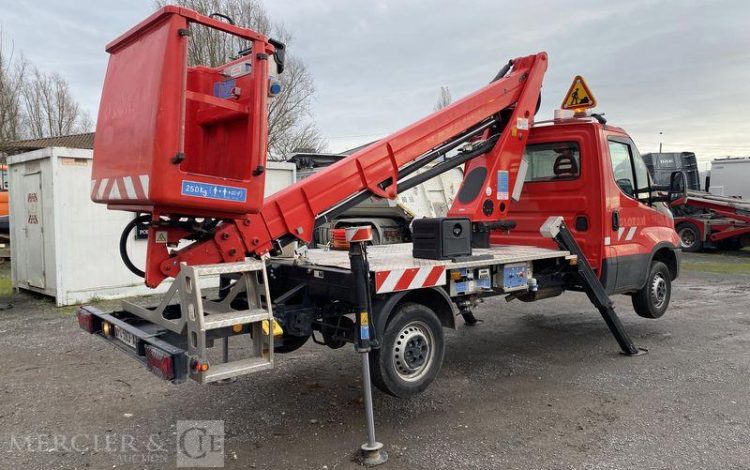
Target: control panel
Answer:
[[515, 276], [469, 281], [507, 278]]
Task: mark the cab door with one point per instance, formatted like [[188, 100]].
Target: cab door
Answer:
[[562, 179], [628, 237]]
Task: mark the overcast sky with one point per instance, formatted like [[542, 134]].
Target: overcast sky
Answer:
[[677, 67]]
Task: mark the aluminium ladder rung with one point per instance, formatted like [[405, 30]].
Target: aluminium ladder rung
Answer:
[[228, 268], [214, 321], [231, 369]]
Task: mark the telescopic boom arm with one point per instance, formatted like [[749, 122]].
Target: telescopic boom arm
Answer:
[[494, 120]]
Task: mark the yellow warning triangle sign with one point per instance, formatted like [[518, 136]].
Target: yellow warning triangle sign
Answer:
[[579, 96]]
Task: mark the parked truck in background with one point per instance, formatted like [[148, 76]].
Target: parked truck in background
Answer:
[[715, 217], [390, 219], [662, 165]]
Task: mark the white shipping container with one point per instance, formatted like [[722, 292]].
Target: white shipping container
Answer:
[[64, 245], [730, 177]]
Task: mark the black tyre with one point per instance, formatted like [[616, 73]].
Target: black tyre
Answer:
[[290, 343], [653, 299], [411, 353], [690, 237]]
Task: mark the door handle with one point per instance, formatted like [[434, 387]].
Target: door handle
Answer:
[[615, 220]]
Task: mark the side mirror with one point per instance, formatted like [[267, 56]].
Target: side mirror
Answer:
[[626, 186], [677, 187]]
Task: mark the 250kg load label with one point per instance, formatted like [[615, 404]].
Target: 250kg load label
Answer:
[[213, 191]]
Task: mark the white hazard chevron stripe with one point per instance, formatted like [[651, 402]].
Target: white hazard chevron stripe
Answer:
[[102, 186], [631, 233], [114, 193], [628, 232], [144, 184], [407, 279], [128, 188]]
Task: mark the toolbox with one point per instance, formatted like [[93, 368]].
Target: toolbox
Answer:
[[441, 238]]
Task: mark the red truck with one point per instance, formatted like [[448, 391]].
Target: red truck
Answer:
[[602, 188], [705, 221], [544, 207]]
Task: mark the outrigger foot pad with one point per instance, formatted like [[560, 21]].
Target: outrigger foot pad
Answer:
[[469, 319], [374, 455], [641, 352]]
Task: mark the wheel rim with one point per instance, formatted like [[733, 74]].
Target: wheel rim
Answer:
[[413, 351], [658, 290], [687, 238]]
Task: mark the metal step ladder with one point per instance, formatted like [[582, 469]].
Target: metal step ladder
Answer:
[[218, 320]]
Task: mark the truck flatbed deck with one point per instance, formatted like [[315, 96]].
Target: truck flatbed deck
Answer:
[[399, 256], [394, 268], [730, 202]]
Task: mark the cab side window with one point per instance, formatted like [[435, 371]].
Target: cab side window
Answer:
[[552, 161], [629, 170], [622, 167]]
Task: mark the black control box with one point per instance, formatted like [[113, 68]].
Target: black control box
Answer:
[[441, 238]]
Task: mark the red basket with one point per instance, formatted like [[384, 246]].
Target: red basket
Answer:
[[173, 139]]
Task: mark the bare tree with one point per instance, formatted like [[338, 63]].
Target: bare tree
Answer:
[[11, 83], [290, 120], [444, 99], [34, 104], [49, 107]]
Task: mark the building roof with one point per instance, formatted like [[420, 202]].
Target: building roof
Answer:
[[76, 141], [357, 149], [313, 160], [305, 159]]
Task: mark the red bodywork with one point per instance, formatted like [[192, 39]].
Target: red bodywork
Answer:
[[733, 220], [292, 211], [224, 140], [169, 136], [155, 110], [593, 196]]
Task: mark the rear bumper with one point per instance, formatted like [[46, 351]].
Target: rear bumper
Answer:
[[145, 333]]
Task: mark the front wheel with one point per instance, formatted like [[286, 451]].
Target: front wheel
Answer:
[[652, 300], [411, 352]]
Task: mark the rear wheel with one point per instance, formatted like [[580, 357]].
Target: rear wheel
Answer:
[[690, 237], [652, 300], [411, 352]]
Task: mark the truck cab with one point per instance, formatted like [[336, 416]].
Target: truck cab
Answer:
[[593, 175]]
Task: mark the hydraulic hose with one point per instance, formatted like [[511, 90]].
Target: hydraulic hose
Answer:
[[204, 231], [124, 243], [503, 71]]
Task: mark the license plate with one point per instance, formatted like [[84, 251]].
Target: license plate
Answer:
[[124, 336]]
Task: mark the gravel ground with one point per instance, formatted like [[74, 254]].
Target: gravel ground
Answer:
[[534, 386]]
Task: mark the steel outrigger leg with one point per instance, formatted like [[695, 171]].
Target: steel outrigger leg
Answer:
[[372, 452], [555, 228]]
